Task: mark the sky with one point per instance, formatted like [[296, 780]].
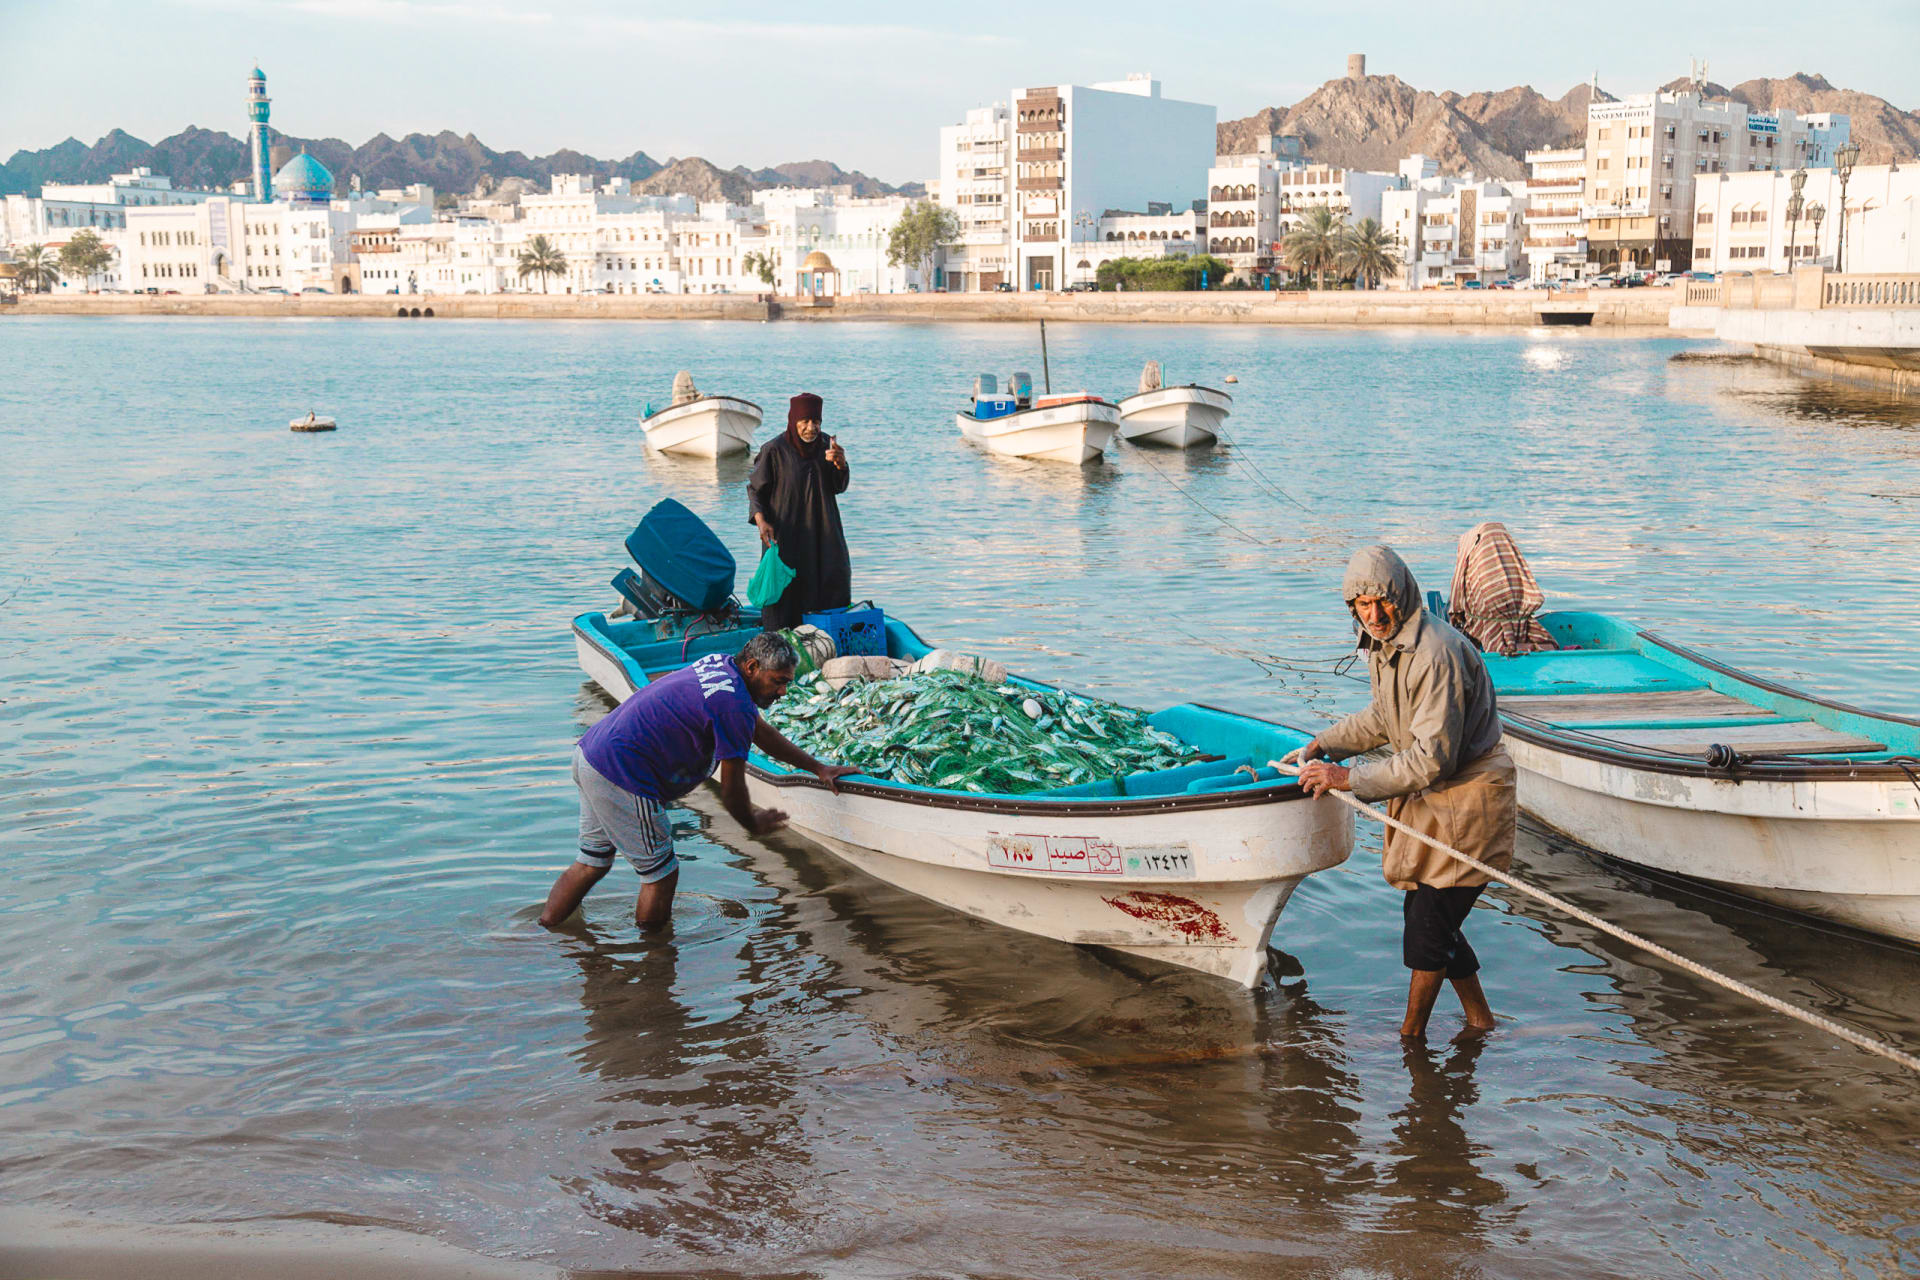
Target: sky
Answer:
[[860, 82]]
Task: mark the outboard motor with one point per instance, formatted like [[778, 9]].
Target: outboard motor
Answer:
[[1020, 384], [686, 574], [984, 385]]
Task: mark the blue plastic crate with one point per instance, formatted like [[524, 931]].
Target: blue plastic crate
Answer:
[[855, 632]]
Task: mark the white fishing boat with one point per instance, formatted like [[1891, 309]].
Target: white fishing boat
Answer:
[[1664, 758], [1178, 417], [704, 427], [312, 422], [1190, 865], [1075, 427]]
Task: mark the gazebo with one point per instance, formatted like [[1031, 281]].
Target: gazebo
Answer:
[[818, 281]]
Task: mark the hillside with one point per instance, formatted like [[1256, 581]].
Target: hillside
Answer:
[[1372, 123], [447, 161], [700, 179]]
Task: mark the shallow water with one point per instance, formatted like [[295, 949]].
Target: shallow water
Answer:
[[287, 719]]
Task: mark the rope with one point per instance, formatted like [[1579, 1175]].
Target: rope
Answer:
[[1828, 1025]]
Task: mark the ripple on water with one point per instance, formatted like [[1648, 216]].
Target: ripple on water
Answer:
[[290, 727]]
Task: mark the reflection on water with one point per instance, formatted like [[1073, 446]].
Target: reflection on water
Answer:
[[290, 722]]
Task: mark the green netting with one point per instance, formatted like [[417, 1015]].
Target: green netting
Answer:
[[953, 730], [770, 580]]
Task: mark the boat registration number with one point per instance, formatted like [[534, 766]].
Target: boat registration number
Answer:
[[1087, 856]]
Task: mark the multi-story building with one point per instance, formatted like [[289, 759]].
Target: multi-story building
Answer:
[[851, 230], [1243, 205], [1741, 221], [1645, 154], [62, 208], [975, 181], [1080, 150], [1556, 242], [1456, 230], [1352, 194]]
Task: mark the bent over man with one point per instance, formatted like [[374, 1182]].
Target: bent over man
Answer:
[[657, 746], [1449, 775]]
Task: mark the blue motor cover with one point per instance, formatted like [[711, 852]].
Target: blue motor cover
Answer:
[[677, 549]]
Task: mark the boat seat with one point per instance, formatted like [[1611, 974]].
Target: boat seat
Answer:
[[1566, 671], [1678, 705], [1786, 737]]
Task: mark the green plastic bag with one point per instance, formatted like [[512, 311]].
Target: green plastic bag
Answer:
[[770, 580]]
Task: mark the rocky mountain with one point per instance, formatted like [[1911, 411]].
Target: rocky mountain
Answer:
[[700, 179], [447, 161], [1372, 122]]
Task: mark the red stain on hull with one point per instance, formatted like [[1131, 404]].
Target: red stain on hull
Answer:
[[1182, 915]]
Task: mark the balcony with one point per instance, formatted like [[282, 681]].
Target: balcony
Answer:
[[1034, 238], [1038, 184], [1026, 154], [1554, 242], [1572, 180]]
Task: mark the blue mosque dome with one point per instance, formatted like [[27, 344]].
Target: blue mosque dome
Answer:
[[304, 178], [258, 74]]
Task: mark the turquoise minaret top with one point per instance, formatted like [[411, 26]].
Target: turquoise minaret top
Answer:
[[258, 106]]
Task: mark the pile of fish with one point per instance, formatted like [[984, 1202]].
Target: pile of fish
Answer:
[[955, 731]]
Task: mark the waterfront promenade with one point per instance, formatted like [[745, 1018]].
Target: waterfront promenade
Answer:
[[1610, 308]]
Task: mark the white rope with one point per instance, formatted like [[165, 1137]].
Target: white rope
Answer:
[[1828, 1025]]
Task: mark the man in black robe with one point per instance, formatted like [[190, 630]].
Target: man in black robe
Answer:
[[792, 499]]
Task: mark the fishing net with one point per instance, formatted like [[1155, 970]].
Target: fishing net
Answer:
[[952, 730]]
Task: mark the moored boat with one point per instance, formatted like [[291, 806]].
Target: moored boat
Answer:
[[1075, 427], [1180, 417], [704, 427], [1189, 865], [1665, 758], [312, 422]]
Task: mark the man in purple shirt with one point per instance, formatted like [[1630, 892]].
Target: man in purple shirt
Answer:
[[657, 746]]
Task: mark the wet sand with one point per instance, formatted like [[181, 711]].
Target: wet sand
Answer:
[[37, 1245]]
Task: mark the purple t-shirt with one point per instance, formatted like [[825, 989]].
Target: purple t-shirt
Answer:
[[667, 737]]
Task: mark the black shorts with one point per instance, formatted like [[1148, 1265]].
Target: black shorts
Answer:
[[1433, 939]]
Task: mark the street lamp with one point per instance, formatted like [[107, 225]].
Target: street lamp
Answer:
[[1816, 214], [1843, 161], [1084, 223], [1795, 203]]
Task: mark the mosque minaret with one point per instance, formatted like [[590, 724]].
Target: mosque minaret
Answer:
[[258, 106]]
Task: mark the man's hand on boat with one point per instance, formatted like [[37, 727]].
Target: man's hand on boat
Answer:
[[1317, 775]]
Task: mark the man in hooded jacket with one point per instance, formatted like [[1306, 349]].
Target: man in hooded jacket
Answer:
[[793, 500], [1449, 775]]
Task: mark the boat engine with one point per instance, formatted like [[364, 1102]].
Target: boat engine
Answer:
[[685, 583]]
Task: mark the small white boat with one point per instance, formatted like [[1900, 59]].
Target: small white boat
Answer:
[[1179, 417], [312, 422], [1667, 759], [1075, 428], [705, 427]]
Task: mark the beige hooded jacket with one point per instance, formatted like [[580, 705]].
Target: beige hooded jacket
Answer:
[[1433, 704]]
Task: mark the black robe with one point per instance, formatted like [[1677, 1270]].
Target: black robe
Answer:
[[797, 495]]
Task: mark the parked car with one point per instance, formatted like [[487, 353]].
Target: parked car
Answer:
[[1705, 277], [152, 291], [314, 288], [1473, 284], [171, 293], [1003, 287]]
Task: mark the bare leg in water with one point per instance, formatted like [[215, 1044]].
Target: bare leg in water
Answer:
[[569, 891], [653, 909], [1424, 989]]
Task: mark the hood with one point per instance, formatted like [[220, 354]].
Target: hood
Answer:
[[1379, 571]]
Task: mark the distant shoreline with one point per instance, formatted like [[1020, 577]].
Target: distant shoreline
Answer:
[[1607, 308]]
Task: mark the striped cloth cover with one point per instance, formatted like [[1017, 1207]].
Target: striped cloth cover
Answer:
[[1494, 596]]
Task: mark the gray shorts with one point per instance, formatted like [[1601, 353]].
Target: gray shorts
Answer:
[[614, 820]]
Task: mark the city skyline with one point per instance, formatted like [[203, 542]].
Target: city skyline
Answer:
[[869, 89]]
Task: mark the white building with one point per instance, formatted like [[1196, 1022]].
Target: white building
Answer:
[[1456, 230], [1243, 205], [975, 181], [1556, 241], [1352, 194], [1741, 221], [1080, 150], [852, 230], [1645, 154], [64, 207]]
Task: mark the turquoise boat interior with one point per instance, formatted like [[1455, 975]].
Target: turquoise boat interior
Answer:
[[1612, 686], [1243, 745]]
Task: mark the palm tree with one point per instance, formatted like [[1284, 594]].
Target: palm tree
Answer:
[[1314, 244], [1369, 253], [759, 264], [541, 258], [39, 268]]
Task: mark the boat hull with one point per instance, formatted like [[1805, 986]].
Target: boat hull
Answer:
[[1072, 433], [1176, 417], [1009, 865], [1845, 850], [710, 427]]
